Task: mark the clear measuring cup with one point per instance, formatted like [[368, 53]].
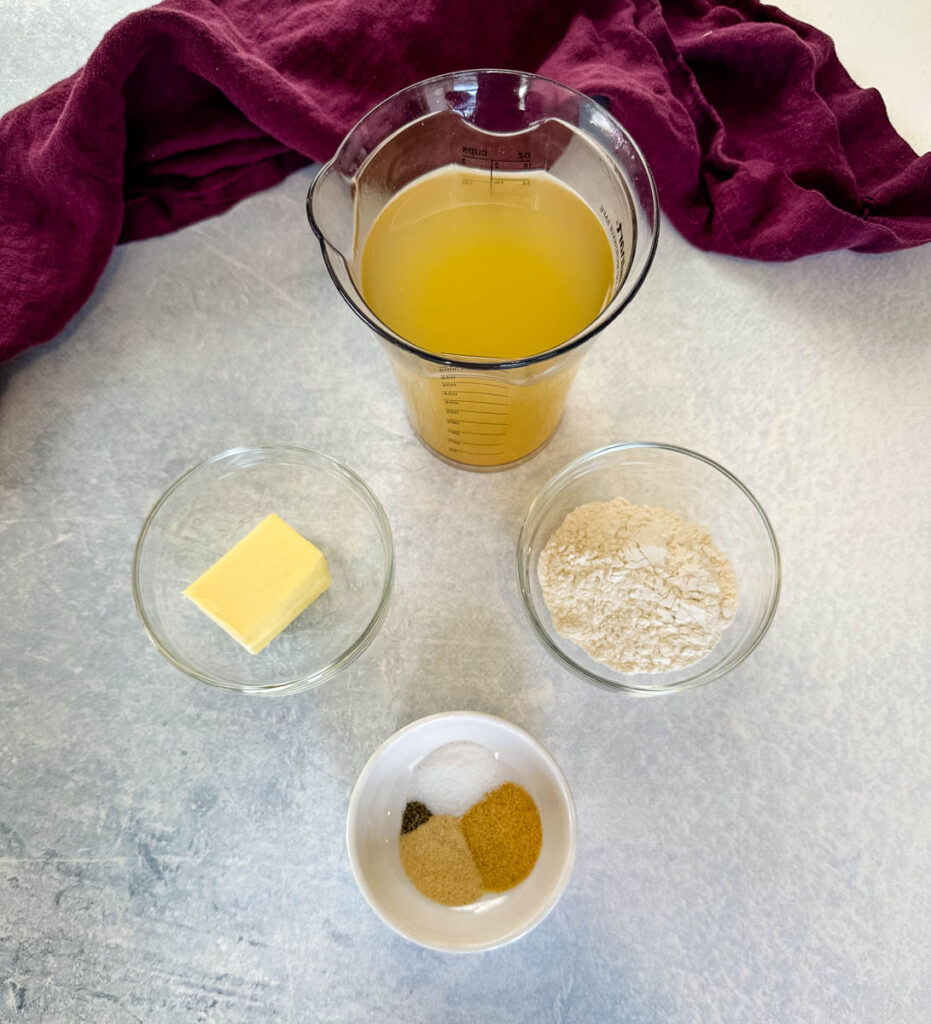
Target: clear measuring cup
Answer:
[[476, 412]]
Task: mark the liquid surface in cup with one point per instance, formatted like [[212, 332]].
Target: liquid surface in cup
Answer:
[[475, 265]]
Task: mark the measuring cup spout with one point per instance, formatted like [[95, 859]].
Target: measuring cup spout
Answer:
[[330, 209]]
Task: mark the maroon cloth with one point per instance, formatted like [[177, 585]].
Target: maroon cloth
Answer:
[[761, 144]]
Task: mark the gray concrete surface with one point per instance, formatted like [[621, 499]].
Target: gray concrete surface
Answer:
[[754, 851]]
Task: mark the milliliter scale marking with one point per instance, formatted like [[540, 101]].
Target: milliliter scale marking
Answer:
[[476, 414], [476, 410]]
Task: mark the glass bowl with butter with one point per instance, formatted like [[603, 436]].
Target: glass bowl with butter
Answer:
[[264, 569]]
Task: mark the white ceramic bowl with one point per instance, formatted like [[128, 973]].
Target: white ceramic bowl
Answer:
[[374, 823]]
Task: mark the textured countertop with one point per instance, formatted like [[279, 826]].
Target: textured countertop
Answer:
[[756, 850]]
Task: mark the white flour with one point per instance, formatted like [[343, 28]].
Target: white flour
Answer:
[[637, 588]]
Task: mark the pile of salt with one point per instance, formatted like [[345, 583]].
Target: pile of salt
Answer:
[[454, 777]]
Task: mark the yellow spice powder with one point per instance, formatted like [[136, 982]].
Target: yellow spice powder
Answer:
[[504, 833], [436, 858]]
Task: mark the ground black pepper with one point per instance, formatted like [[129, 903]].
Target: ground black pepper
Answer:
[[415, 814]]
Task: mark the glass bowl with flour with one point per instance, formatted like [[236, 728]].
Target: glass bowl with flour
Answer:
[[648, 568]]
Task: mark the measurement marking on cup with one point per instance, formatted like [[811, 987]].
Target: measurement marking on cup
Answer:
[[468, 437], [478, 158], [478, 440], [454, 419], [481, 401], [489, 408], [450, 392], [498, 163], [476, 412], [454, 397]]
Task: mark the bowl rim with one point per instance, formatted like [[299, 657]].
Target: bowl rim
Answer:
[[529, 524], [353, 828], [305, 680]]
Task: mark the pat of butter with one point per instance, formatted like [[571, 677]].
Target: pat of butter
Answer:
[[262, 583]]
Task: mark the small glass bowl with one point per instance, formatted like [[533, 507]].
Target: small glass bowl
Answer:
[[699, 491], [214, 505]]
